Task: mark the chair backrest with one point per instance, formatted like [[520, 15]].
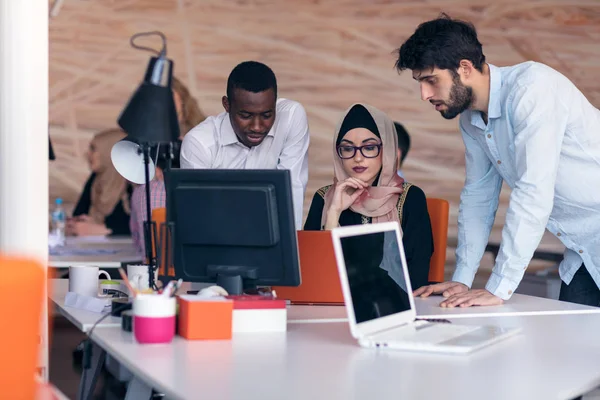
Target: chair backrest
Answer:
[[21, 296], [159, 216], [439, 212]]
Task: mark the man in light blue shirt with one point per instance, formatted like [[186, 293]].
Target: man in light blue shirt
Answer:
[[529, 126]]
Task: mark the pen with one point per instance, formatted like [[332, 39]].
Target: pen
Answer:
[[167, 290], [177, 286], [127, 283]]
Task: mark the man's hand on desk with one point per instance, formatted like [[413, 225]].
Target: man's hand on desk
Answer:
[[458, 295], [476, 297], [446, 289]]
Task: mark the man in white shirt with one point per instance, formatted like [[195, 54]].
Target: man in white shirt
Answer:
[[256, 131], [529, 126]]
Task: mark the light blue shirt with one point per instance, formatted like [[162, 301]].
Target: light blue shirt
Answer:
[[543, 140]]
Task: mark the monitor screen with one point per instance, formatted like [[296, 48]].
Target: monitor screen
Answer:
[[233, 223], [375, 275]]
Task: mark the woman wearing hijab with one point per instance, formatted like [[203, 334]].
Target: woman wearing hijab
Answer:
[[103, 207], [367, 189]]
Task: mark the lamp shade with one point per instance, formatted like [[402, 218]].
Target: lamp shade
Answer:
[[150, 116], [128, 159]]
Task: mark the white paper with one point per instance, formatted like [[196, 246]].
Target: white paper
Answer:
[[93, 304], [110, 240], [74, 251]]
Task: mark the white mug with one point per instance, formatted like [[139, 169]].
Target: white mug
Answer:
[[139, 278], [83, 279]]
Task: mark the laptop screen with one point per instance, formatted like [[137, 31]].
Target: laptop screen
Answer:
[[375, 275]]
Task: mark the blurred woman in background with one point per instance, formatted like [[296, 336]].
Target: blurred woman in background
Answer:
[[103, 207]]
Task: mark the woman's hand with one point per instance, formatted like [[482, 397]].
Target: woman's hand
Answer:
[[345, 194], [84, 225]]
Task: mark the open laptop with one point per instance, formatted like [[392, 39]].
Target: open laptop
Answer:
[[379, 300], [320, 278]]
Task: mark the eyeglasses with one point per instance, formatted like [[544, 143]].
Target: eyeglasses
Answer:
[[368, 151]]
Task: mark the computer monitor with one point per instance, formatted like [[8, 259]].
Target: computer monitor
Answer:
[[232, 227]]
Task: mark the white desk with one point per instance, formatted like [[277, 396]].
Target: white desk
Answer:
[[316, 314], [519, 305], [120, 250], [556, 357], [85, 320]]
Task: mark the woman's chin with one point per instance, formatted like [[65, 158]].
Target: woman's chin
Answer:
[[361, 177]]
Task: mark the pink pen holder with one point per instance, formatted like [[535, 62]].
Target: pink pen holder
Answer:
[[154, 318]]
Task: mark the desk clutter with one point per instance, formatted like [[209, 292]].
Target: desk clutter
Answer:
[[88, 303], [157, 316]]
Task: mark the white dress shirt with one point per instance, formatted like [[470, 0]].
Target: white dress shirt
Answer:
[[543, 139], [213, 144]]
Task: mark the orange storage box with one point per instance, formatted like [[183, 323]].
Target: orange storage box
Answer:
[[205, 318]]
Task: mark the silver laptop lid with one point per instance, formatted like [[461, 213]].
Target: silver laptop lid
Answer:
[[374, 277]]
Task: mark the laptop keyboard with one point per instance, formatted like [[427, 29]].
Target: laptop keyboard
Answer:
[[427, 332]]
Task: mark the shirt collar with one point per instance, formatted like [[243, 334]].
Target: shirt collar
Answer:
[[494, 107], [228, 136]]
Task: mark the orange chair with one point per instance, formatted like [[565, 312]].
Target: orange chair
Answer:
[[439, 212], [159, 216], [21, 296]]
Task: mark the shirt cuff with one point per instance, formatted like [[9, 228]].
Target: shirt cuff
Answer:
[[464, 275], [500, 286]]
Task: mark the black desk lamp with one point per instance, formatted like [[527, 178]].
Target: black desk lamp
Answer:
[[150, 120]]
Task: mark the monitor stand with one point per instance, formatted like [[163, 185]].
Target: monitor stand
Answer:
[[232, 284], [232, 278]]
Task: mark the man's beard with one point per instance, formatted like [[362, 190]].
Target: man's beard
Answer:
[[461, 98]]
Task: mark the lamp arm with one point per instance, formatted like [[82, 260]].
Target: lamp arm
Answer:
[[149, 225]]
